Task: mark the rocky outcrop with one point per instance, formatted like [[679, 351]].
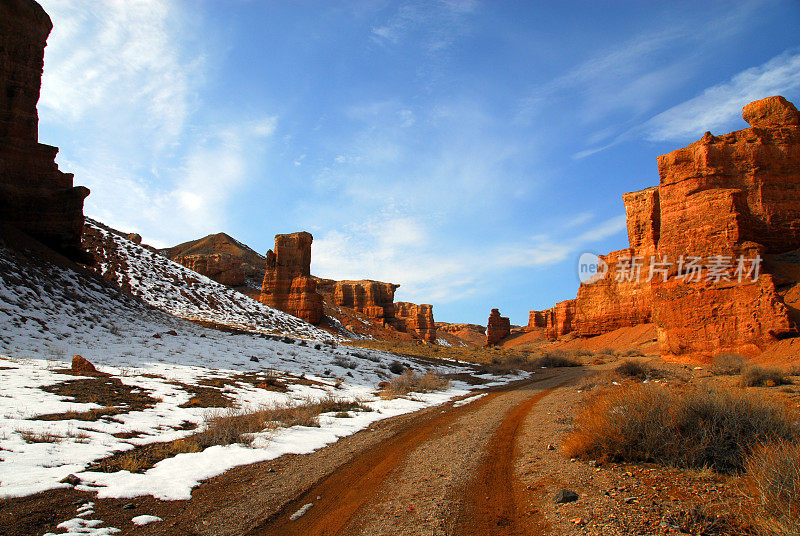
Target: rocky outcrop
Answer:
[[411, 317], [35, 197], [721, 199], [497, 328], [288, 285], [374, 299], [223, 259], [222, 268]]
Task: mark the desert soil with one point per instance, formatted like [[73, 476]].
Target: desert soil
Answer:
[[491, 466]]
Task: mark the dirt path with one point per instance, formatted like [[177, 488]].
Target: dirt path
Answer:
[[422, 480], [441, 471]]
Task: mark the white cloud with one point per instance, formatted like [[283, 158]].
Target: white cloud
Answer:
[[121, 57], [123, 79], [720, 106], [403, 249]]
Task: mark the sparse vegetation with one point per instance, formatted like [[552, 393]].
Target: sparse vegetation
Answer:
[[774, 481], [556, 359], [638, 370], [410, 382], [685, 427], [764, 377], [728, 364], [228, 427]]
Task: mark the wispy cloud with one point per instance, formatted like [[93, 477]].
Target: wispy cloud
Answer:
[[719, 107], [433, 25], [123, 78], [405, 250]]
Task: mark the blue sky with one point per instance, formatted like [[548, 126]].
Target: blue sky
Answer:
[[468, 150]]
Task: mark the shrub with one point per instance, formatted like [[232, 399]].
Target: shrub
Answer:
[[690, 427], [632, 353], [774, 481], [764, 377], [556, 359], [728, 364], [410, 382], [345, 362], [638, 370], [396, 367]]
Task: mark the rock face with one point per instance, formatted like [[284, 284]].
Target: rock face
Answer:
[[410, 317], [35, 196], [721, 199], [497, 328], [223, 259], [288, 284], [221, 268], [374, 299]]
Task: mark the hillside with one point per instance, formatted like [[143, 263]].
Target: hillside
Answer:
[[182, 292], [159, 375]]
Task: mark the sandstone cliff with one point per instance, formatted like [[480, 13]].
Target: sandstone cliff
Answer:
[[410, 317], [35, 196], [288, 285], [374, 299], [722, 198], [497, 328], [223, 259]]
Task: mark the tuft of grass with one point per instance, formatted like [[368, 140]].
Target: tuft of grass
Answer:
[[638, 370], [30, 436], [684, 427], [410, 382], [764, 377], [556, 359], [773, 480], [728, 364]]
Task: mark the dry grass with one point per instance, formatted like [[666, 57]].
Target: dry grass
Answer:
[[410, 382], [774, 481], [684, 427], [230, 426], [556, 359], [728, 364], [638, 370], [764, 377], [30, 436]]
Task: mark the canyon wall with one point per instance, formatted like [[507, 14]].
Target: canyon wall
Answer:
[[35, 196], [724, 203], [374, 299], [411, 317], [288, 285]]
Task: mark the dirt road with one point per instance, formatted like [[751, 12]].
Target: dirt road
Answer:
[[451, 473], [454, 469]]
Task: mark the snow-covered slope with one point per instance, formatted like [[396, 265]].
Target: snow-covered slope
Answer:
[[49, 313], [182, 292]]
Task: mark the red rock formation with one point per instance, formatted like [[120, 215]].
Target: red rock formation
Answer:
[[288, 284], [35, 196], [730, 195], [497, 328], [374, 299], [223, 259], [222, 268], [410, 317]]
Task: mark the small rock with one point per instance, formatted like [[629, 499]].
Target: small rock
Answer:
[[254, 359], [72, 480], [128, 506], [565, 496], [551, 447], [171, 332], [156, 336], [80, 365]]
